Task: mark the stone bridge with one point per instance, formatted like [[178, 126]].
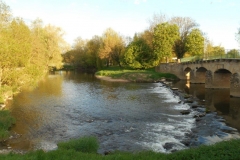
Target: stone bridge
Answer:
[[216, 74]]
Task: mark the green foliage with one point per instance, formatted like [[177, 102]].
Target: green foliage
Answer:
[[85, 54], [84, 144], [138, 54], [185, 25], [26, 52], [217, 50], [6, 121], [195, 43], [112, 47], [234, 53], [165, 36]]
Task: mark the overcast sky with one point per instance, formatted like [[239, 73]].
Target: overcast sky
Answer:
[[219, 19]]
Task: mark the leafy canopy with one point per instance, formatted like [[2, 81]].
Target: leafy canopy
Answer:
[[195, 43], [165, 35], [139, 55]]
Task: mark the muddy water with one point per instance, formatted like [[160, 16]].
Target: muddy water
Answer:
[[123, 116]]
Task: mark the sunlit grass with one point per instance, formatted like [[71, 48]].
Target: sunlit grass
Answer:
[[75, 150], [148, 75], [85, 145]]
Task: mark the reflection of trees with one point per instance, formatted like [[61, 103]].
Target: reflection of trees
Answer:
[[217, 100], [223, 104], [78, 77], [110, 90], [197, 90], [52, 85]]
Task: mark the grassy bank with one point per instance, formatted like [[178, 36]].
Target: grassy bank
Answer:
[[86, 148], [148, 75], [6, 121]]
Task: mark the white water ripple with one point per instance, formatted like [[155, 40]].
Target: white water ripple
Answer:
[[173, 130]]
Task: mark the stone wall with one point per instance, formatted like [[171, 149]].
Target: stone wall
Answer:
[[221, 73]]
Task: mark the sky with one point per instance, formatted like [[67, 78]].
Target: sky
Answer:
[[218, 19]]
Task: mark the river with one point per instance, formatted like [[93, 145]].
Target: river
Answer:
[[123, 116]]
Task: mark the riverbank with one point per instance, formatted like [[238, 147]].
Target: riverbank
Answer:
[[86, 148], [129, 75]]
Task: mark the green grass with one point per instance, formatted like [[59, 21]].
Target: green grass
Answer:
[[74, 150], [85, 145], [148, 75], [6, 121]]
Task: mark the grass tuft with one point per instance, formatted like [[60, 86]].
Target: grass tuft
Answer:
[[84, 144], [6, 121]]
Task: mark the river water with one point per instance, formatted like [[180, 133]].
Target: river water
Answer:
[[123, 116]]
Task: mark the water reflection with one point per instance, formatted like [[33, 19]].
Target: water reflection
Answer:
[[216, 100]]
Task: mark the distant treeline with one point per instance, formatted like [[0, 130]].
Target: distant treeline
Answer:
[[165, 40], [26, 51]]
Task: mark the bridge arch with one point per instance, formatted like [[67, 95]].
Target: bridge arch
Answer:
[[219, 79], [187, 71], [198, 75]]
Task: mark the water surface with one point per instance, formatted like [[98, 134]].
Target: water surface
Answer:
[[123, 116]]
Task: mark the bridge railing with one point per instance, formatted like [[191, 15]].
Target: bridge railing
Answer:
[[233, 55]]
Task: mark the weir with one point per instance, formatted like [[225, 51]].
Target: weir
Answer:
[[215, 74]]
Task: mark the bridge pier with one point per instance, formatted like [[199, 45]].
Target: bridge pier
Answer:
[[235, 85], [219, 79], [198, 75]]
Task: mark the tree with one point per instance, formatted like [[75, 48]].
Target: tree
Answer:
[[185, 25], [157, 19], [208, 46], [147, 35], [233, 53], [93, 47], [195, 43], [15, 52], [238, 36], [164, 37], [5, 14], [85, 53], [39, 53], [112, 47], [79, 43], [138, 54], [217, 50], [26, 52], [53, 38]]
